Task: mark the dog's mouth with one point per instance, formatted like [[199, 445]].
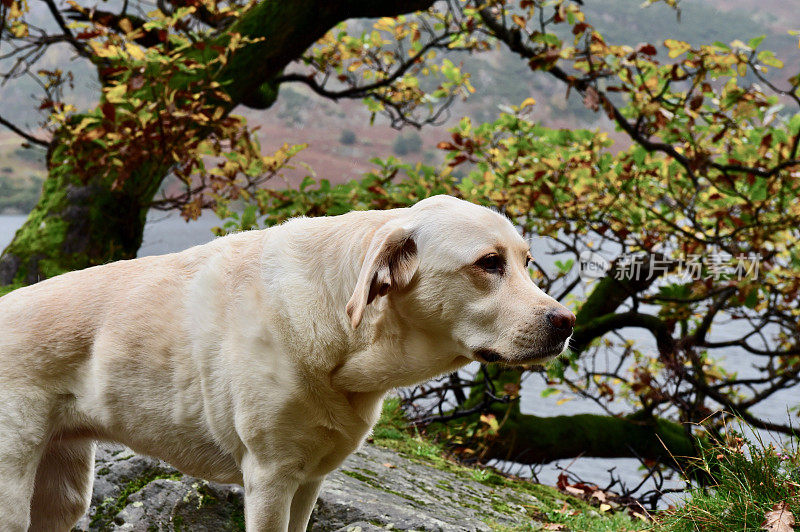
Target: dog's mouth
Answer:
[[489, 356]]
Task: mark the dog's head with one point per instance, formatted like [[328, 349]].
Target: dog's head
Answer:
[[458, 272]]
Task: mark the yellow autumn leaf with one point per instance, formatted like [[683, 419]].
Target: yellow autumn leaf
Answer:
[[19, 30], [14, 11], [115, 94], [93, 134], [741, 69], [134, 51], [490, 420], [84, 123], [125, 25], [104, 50], [676, 47], [385, 23]]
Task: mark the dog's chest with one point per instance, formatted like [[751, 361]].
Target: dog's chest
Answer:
[[348, 428]]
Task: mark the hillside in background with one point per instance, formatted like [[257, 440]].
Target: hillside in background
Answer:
[[339, 136]]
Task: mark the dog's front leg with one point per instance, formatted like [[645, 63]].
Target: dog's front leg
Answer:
[[302, 504], [268, 492]]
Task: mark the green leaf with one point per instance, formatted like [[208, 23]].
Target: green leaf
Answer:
[[752, 298], [768, 58], [758, 192], [248, 217], [547, 392], [307, 182], [755, 41], [565, 267]]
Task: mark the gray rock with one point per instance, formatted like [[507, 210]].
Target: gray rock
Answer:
[[375, 489], [362, 526]]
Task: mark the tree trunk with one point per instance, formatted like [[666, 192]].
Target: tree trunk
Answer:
[[77, 224], [534, 440]]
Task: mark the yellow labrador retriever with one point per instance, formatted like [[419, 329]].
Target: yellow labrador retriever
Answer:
[[260, 358]]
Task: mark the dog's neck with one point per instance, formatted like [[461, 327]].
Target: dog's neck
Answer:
[[399, 355]]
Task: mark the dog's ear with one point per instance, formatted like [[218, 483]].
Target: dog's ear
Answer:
[[390, 263]]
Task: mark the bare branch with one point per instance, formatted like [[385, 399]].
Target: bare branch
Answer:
[[76, 44], [597, 327], [702, 329], [27, 136]]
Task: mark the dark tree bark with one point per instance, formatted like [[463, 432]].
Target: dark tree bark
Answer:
[[531, 439], [79, 223]]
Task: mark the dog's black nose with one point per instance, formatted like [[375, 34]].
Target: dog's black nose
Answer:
[[561, 319]]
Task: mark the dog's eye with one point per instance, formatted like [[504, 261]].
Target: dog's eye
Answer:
[[492, 263]]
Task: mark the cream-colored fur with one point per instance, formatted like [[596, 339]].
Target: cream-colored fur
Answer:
[[260, 358]]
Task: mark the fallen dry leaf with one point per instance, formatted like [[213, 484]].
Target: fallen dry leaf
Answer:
[[390, 466], [779, 519], [567, 510]]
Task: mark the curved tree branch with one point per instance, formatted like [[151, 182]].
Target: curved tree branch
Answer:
[[699, 335], [360, 92], [27, 136], [598, 327], [532, 439], [76, 44]]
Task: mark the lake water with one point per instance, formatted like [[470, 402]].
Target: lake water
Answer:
[[166, 233]]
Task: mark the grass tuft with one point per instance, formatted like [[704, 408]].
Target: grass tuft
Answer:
[[742, 480], [5, 289]]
